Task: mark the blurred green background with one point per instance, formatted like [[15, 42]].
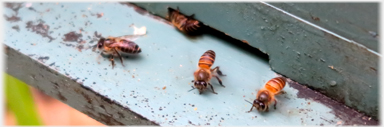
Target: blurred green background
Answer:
[[25, 105], [19, 100]]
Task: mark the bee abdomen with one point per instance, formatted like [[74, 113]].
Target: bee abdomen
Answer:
[[129, 47], [207, 59], [276, 84], [191, 26]]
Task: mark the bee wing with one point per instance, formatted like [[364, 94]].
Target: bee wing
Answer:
[[129, 37], [114, 45], [123, 43]]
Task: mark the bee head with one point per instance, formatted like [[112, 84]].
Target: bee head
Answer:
[[170, 10], [100, 44], [260, 106], [260, 102], [103, 42], [200, 85]]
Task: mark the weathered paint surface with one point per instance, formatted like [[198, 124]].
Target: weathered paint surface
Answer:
[[341, 69], [52, 50], [355, 21]]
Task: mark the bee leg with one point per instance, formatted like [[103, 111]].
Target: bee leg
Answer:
[[214, 69], [275, 104], [112, 61], [219, 72], [217, 69], [250, 110], [200, 91], [121, 59], [193, 80], [218, 79], [267, 109], [212, 88], [192, 89], [281, 92]]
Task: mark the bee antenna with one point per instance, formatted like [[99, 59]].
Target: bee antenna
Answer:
[[192, 16], [192, 89], [170, 9], [249, 102]]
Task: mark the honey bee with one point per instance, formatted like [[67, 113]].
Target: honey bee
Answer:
[[266, 95], [204, 74], [117, 46], [186, 24]]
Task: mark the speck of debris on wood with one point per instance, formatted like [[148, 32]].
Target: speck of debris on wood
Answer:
[[43, 58], [373, 34], [32, 9], [315, 18], [97, 35], [99, 15], [372, 68], [80, 47], [94, 48], [52, 64], [16, 28]]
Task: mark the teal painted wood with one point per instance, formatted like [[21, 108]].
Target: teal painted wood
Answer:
[[342, 69], [47, 52], [355, 21]]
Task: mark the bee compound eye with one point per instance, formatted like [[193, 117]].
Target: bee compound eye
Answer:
[[262, 105], [203, 83], [101, 42]]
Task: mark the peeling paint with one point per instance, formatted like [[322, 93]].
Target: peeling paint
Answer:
[[14, 6], [348, 115], [72, 37], [13, 18], [41, 29], [80, 47]]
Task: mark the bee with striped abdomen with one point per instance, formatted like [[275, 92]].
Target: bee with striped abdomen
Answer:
[[204, 74], [266, 95], [117, 46], [186, 24]]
